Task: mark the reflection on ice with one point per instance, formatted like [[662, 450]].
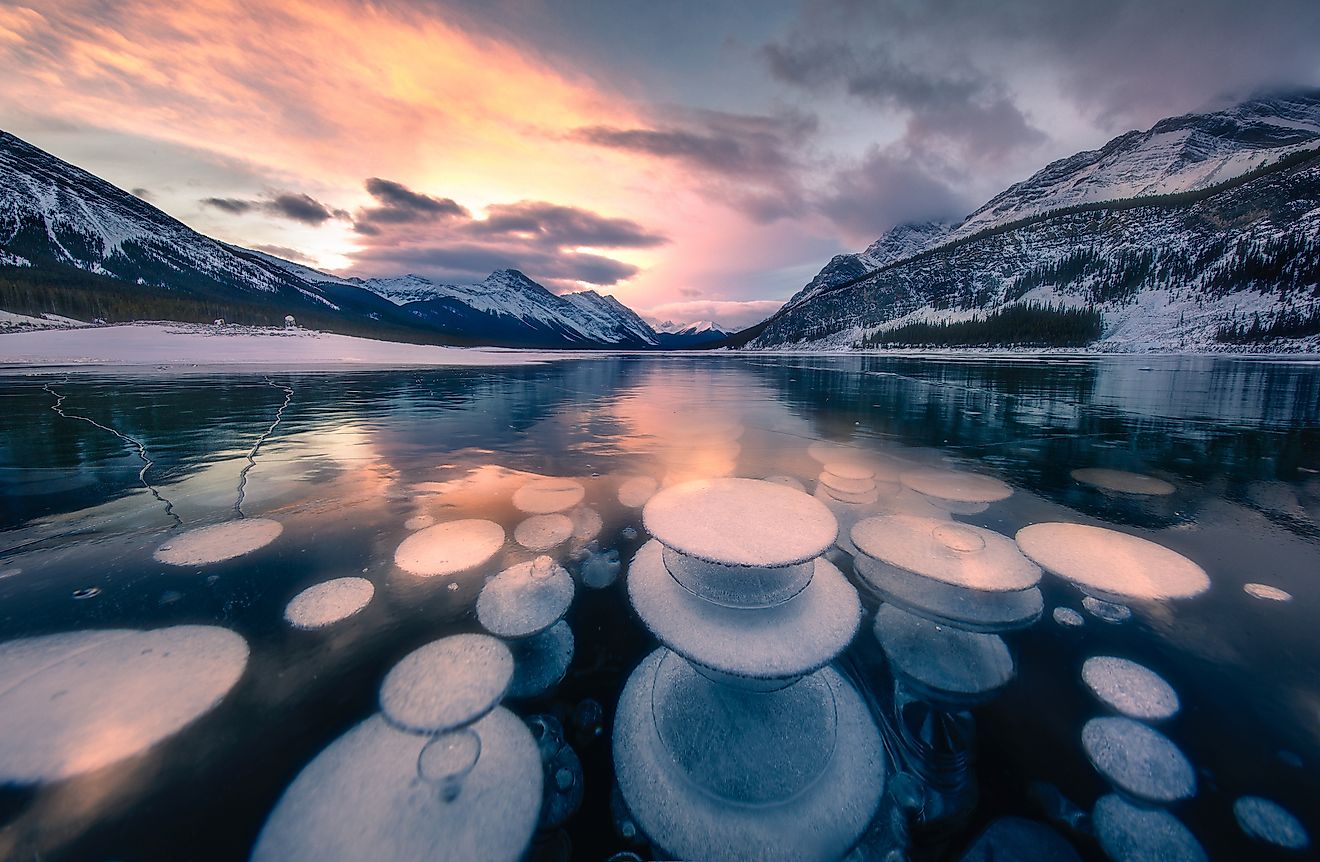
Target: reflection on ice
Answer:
[[76, 702]]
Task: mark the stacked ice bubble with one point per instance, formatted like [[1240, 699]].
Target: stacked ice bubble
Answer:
[[737, 732], [441, 773], [525, 604]]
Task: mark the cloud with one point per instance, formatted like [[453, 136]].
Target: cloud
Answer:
[[285, 252], [729, 314], [887, 187], [140, 192], [409, 231], [295, 206], [753, 163]]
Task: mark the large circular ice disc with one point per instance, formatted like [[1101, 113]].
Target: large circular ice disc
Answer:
[[546, 496], [1112, 565], [449, 548], [447, 683], [72, 703], [959, 554], [1135, 834], [1270, 822], [971, 610], [361, 798], [854, 471], [942, 660], [1123, 482], [525, 599], [777, 642], [956, 486], [329, 602], [1129, 688], [543, 532], [1140, 761], [690, 822], [741, 522], [219, 542]]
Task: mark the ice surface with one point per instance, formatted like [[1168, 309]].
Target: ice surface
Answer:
[[329, 602], [1270, 822], [1132, 834], [361, 799], [76, 702], [185, 344], [543, 532], [1129, 688], [956, 486], [525, 599], [1111, 565], [959, 554], [778, 642], [743, 522], [786, 481], [1068, 617], [1267, 592], [449, 548], [822, 822], [446, 684], [634, 492], [218, 542], [941, 661], [1139, 760], [419, 522], [1123, 482], [1016, 839], [540, 662], [548, 495]]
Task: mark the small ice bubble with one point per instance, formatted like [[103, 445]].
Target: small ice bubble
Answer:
[[629, 533], [543, 532], [1129, 688], [1139, 760], [1068, 617], [329, 602], [1123, 482], [86, 592], [452, 586], [219, 542], [600, 569], [1271, 823], [1109, 612], [1267, 592]]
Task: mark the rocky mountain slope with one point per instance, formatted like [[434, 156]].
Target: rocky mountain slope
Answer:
[[74, 244], [1202, 225]]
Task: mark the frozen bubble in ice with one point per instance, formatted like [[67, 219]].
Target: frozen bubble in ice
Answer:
[[219, 542], [971, 610], [1129, 833], [549, 495], [690, 821], [1139, 760], [1016, 839], [329, 602], [787, 482], [1266, 592], [1129, 688], [86, 592], [446, 684], [634, 492], [540, 662], [740, 522], [587, 523], [850, 471], [361, 798], [1123, 482], [449, 548], [1111, 565], [944, 662], [419, 522], [543, 532], [1068, 617], [76, 702], [525, 599], [1270, 822], [777, 642], [848, 490], [1108, 612], [948, 488], [963, 555], [600, 569], [629, 532]]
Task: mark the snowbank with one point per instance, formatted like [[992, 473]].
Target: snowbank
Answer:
[[189, 344]]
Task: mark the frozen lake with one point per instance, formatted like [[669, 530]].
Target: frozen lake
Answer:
[[162, 692]]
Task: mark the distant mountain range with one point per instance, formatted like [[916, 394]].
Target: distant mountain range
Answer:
[[1203, 230], [75, 245]]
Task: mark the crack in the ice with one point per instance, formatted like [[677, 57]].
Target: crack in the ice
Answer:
[[147, 463], [252, 454]]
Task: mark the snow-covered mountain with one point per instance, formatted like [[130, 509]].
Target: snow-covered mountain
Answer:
[[1176, 234], [113, 255], [694, 334]]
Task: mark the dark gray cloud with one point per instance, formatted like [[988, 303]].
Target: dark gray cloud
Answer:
[[285, 252], [889, 187], [753, 163], [295, 206], [440, 238]]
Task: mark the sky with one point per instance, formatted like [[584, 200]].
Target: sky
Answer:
[[697, 160]]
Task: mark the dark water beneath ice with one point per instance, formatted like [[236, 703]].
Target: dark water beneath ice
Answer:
[[356, 455]]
